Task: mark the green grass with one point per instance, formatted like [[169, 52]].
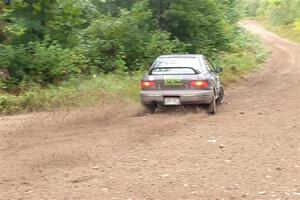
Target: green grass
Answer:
[[241, 63], [73, 93], [287, 31], [290, 31]]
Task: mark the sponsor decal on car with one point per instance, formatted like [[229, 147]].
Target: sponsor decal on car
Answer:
[[151, 78], [173, 81]]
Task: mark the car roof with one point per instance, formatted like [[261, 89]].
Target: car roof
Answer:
[[181, 56]]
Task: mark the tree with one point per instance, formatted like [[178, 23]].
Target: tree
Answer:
[[202, 24], [34, 20], [47, 41], [2, 37]]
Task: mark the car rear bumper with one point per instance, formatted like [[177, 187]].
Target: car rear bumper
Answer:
[[186, 96]]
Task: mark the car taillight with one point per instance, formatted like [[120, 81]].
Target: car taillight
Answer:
[[200, 84], [148, 85]]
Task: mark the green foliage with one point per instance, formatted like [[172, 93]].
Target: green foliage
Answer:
[[282, 16], [39, 63], [241, 61], [126, 42], [34, 20], [205, 25], [52, 40], [287, 31], [249, 8], [76, 92], [2, 36], [90, 90], [44, 43], [276, 12]]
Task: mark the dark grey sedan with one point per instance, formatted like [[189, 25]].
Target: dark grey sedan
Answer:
[[175, 80]]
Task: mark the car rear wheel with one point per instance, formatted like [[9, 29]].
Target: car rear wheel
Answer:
[[212, 107], [220, 99], [150, 108]]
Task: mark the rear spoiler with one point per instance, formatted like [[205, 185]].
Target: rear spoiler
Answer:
[[195, 70]]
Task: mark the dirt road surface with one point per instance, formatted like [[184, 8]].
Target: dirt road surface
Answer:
[[249, 150]]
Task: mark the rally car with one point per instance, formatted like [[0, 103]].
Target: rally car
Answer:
[[175, 80]]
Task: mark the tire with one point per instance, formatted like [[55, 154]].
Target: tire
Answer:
[[212, 107], [150, 108], [220, 99]]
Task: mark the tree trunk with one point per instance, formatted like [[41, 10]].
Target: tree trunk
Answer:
[[163, 7]]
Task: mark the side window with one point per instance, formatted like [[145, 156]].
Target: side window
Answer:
[[209, 66]]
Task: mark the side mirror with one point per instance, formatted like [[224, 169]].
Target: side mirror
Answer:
[[219, 70]]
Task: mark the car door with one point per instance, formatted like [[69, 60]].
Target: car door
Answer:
[[216, 78]]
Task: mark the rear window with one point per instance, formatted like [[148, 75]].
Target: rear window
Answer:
[[188, 62], [173, 71]]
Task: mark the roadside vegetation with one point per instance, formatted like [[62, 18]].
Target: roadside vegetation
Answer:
[[66, 53], [280, 16]]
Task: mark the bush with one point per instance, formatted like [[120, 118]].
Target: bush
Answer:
[[247, 55], [126, 42], [39, 63]]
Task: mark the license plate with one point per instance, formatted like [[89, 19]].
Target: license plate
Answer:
[[172, 101]]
